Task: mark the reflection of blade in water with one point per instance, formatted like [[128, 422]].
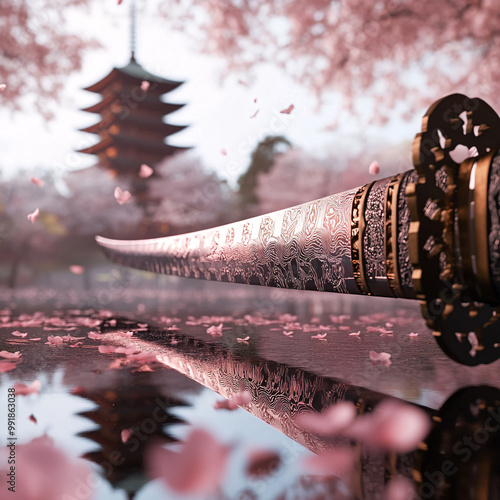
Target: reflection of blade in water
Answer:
[[461, 456], [136, 403], [279, 393]]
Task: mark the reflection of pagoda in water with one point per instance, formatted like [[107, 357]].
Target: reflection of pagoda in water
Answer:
[[132, 130], [135, 404]]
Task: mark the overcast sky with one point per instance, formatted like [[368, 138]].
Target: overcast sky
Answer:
[[217, 111]]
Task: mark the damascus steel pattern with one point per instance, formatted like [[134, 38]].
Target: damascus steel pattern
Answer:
[[404, 262], [494, 223], [374, 240], [307, 247]]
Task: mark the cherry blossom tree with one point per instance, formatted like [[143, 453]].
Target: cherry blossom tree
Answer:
[[37, 51], [189, 197], [297, 177], [66, 226], [358, 47]]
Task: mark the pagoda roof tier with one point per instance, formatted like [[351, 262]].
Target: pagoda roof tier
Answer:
[[142, 122], [124, 163], [126, 142], [135, 74], [147, 103]]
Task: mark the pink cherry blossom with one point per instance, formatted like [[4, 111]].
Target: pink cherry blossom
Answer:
[[288, 110], [374, 168], [125, 335], [76, 269], [19, 334], [399, 488], [33, 216], [122, 197], [6, 366], [37, 182], [52, 474], [10, 355], [145, 171], [25, 390], [320, 336], [95, 335], [198, 468], [384, 358], [145, 85], [392, 426], [54, 340], [332, 421], [215, 331], [142, 357], [333, 462], [106, 349]]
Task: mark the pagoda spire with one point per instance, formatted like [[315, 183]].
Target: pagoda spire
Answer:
[[132, 30]]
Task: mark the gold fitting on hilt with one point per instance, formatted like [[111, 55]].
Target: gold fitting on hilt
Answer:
[[450, 227]]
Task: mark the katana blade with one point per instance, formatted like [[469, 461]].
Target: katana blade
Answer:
[[431, 234]]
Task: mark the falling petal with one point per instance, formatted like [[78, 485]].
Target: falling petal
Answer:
[[332, 421], [392, 426], [355, 334], [33, 216], [288, 334], [77, 269], [145, 171], [52, 474], [413, 335], [145, 85], [37, 182], [288, 110], [246, 339], [2, 87], [198, 468], [223, 152], [125, 434], [399, 488], [33, 419], [255, 114], [374, 168], [121, 196]]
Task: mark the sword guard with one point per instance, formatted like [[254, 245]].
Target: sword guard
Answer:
[[448, 241]]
